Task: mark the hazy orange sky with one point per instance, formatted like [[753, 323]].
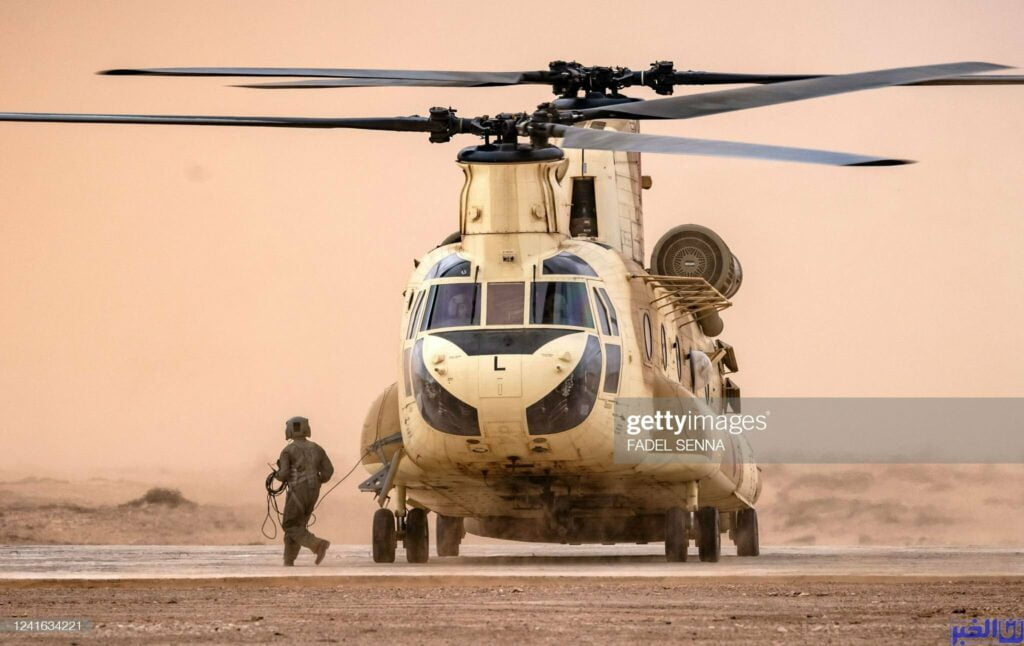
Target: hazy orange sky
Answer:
[[171, 295]]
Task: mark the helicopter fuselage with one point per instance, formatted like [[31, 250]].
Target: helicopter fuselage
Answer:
[[517, 343]]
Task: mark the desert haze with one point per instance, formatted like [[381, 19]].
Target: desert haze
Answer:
[[172, 295], [805, 505]]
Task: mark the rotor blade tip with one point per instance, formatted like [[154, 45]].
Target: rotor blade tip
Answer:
[[117, 72], [273, 86], [884, 162], [991, 67]]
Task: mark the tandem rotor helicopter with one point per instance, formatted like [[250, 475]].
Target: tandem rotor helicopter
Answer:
[[522, 330]]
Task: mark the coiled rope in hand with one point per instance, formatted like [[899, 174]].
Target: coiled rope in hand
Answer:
[[273, 509]]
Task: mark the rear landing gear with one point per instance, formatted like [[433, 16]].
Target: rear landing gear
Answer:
[[385, 536], [449, 535], [677, 540], [709, 540], [745, 534]]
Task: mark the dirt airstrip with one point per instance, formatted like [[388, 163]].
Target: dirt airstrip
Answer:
[[545, 611]]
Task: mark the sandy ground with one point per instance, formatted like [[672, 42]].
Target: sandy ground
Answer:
[[546, 611], [509, 593], [501, 561]]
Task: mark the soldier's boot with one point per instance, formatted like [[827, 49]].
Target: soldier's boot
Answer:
[[321, 550]]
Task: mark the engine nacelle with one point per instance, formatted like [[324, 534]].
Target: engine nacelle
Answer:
[[692, 250]]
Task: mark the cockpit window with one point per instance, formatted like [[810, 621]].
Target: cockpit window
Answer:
[[560, 303], [612, 318], [452, 305], [414, 315], [451, 266], [602, 313], [567, 263], [505, 304]]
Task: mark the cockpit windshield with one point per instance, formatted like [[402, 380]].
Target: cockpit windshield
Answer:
[[452, 305], [449, 305], [451, 266], [505, 304], [567, 263], [560, 303]]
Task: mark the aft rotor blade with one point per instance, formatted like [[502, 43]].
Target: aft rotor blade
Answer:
[[402, 124], [708, 103], [492, 78], [991, 79], [726, 78], [722, 78], [611, 140]]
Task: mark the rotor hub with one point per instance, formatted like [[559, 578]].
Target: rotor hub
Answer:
[[509, 154]]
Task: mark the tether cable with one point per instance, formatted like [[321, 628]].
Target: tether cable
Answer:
[[274, 510]]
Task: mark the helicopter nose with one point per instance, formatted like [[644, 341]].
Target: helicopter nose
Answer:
[[519, 384]]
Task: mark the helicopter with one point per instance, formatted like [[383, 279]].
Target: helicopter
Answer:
[[524, 334]]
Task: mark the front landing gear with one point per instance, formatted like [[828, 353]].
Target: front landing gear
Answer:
[[385, 536], [412, 529], [417, 536]]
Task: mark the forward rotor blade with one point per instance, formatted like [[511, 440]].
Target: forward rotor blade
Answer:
[[495, 78], [402, 124], [366, 82], [683, 78], [611, 140], [708, 103]]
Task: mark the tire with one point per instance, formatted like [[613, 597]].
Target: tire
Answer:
[[709, 538], [746, 533], [417, 536], [385, 537], [449, 535], [677, 541]]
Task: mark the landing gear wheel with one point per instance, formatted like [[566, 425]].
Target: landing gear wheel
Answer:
[[385, 537], [709, 540], [677, 540], [746, 533], [417, 536], [449, 535]]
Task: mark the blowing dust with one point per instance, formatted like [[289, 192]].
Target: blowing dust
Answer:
[[801, 504]]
